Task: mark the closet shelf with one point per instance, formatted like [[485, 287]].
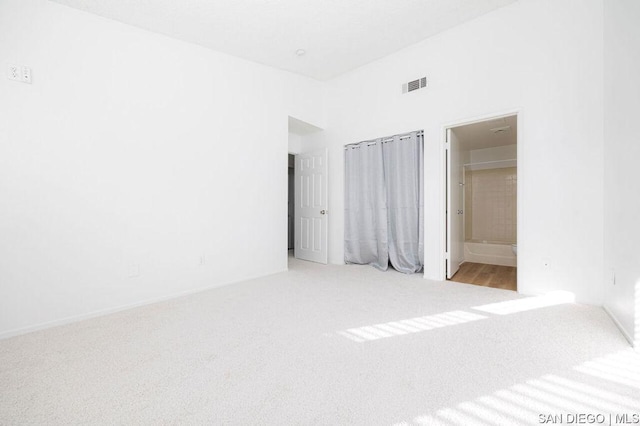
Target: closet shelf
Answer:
[[499, 164]]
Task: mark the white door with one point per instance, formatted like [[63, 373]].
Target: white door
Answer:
[[311, 206], [455, 232]]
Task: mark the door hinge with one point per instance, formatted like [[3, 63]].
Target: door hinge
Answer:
[[447, 256]]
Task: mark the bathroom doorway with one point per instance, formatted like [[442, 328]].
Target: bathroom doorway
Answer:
[[481, 187]]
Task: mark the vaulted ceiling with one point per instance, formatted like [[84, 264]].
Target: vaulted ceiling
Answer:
[[336, 35]]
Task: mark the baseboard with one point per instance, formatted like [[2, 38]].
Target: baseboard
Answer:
[[107, 311], [619, 325]]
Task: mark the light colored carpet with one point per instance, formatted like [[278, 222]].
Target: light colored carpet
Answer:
[[325, 345]]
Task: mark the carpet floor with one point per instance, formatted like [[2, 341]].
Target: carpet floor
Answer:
[[326, 345]]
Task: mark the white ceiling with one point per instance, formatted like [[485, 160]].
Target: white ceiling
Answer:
[[338, 35], [481, 135]]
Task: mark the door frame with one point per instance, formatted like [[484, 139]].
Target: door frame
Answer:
[[444, 181], [450, 218], [293, 196]]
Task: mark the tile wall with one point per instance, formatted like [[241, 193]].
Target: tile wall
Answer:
[[490, 205]]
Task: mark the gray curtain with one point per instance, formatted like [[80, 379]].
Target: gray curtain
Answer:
[[365, 206], [384, 203]]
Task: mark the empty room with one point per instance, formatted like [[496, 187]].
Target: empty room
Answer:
[[459, 183]]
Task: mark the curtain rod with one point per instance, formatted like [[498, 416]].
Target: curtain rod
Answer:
[[387, 138]]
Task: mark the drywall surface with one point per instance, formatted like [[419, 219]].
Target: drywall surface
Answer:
[[621, 155], [542, 58], [135, 167], [294, 143]]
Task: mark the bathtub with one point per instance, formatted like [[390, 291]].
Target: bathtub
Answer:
[[490, 252]]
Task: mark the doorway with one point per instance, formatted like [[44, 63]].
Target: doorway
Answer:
[[308, 173], [481, 202]]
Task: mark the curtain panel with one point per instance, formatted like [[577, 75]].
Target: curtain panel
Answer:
[[384, 203]]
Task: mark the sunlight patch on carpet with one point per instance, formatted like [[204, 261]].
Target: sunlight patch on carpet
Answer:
[[407, 326]]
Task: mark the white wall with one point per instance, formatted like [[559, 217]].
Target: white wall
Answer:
[[120, 153], [295, 143], [305, 136], [621, 156], [541, 57]]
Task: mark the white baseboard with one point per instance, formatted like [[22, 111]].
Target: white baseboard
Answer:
[[619, 325], [107, 311]]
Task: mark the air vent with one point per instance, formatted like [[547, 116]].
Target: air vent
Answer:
[[500, 129], [414, 85]]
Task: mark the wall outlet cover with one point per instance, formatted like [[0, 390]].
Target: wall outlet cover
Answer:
[[133, 270], [19, 73], [26, 75], [14, 72]]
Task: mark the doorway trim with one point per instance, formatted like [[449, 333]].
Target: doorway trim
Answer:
[[443, 180]]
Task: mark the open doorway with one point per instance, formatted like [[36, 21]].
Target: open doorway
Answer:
[[481, 188], [307, 193]]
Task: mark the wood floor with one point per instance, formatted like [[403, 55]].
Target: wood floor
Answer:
[[487, 275]]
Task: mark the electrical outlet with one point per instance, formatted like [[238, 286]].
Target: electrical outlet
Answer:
[[133, 270], [202, 260], [26, 75], [19, 73], [14, 73]]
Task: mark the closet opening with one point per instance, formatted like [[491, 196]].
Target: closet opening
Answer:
[[384, 202], [481, 203]]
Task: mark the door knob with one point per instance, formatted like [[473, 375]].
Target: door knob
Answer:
[[323, 212]]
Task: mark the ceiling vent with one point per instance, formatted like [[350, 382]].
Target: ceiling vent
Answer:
[[414, 85], [503, 129]]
